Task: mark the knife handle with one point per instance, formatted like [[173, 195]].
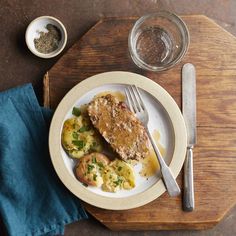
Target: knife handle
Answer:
[[188, 201]]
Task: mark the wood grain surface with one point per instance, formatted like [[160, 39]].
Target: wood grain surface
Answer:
[[213, 52]]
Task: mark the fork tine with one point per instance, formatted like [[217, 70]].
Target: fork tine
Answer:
[[140, 98], [127, 94], [133, 102], [137, 99]]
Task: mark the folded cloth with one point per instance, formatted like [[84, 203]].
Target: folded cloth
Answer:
[[33, 201]]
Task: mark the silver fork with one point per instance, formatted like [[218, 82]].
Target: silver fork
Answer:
[[136, 105]]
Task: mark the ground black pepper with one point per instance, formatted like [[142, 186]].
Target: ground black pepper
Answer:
[[48, 41]]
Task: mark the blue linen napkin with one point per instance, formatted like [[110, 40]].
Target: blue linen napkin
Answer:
[[33, 201]]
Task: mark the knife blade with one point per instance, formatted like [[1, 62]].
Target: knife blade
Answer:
[[189, 114]]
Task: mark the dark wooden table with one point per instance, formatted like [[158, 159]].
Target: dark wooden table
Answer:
[[18, 65]]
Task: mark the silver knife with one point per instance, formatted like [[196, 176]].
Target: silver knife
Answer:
[[189, 114]]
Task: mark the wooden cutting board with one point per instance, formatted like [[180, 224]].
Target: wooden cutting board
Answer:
[[213, 52]]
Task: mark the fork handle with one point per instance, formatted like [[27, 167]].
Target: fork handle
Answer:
[[167, 176]]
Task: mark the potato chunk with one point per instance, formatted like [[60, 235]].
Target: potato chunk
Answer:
[[90, 168], [79, 137], [118, 175]]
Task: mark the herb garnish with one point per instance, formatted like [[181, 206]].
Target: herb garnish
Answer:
[[118, 181], [79, 143], [75, 135], [100, 165], [90, 167], [94, 177], [76, 111], [94, 160], [94, 144], [119, 168], [84, 128]]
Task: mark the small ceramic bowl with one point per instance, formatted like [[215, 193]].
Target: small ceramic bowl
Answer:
[[39, 25]]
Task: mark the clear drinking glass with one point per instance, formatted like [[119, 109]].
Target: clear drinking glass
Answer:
[[158, 41]]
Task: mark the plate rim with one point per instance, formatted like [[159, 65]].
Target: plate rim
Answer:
[[116, 77]]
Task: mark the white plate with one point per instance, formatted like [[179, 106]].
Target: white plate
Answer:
[[165, 117]]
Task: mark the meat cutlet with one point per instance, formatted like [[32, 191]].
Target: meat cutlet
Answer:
[[119, 127]]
